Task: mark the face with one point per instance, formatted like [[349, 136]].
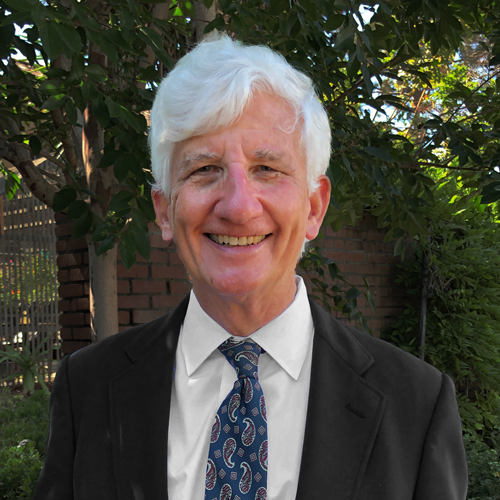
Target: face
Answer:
[[240, 207]]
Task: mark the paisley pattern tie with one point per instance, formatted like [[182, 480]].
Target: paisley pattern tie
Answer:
[[237, 459]]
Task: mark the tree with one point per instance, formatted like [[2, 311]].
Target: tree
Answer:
[[94, 66], [77, 82]]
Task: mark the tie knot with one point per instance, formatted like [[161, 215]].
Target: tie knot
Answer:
[[243, 356]]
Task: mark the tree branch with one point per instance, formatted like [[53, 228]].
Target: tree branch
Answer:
[[52, 159], [20, 158], [395, 60]]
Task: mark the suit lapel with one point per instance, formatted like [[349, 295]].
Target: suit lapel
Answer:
[[140, 407], [343, 417]]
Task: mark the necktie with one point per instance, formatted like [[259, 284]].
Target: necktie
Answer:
[[237, 459]]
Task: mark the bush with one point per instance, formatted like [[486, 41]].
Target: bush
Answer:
[[24, 426], [463, 310], [20, 467], [484, 469]]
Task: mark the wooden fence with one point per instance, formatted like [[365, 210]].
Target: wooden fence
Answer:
[[28, 280]]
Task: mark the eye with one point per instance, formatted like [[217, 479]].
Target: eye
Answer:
[[265, 168], [205, 169]]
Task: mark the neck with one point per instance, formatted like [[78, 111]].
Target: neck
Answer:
[[243, 315]]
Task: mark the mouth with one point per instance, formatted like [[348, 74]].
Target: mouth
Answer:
[[234, 241]]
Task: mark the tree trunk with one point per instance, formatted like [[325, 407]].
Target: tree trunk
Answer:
[[203, 17], [103, 293]]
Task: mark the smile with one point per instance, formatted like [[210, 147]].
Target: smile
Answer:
[[224, 239]]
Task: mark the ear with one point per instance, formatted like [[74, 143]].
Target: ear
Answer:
[[319, 200], [163, 214]]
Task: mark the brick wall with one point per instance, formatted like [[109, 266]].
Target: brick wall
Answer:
[[360, 252], [149, 289]]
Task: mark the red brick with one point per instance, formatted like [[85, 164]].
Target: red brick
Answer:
[[356, 256], [64, 305], [69, 259], [179, 287], [61, 246], [140, 258], [78, 244], [66, 333], [83, 304], [137, 271], [82, 333], [139, 317], [148, 286], [335, 256], [86, 289], [123, 317], [328, 243], [63, 276], [123, 287], [174, 259], [165, 301], [154, 228], [156, 241], [86, 258], [133, 301], [72, 319], [64, 229], [369, 247], [158, 256], [73, 290], [168, 272], [357, 281], [71, 346], [379, 257], [59, 216], [79, 274]]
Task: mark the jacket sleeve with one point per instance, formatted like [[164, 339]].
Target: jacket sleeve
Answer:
[[443, 471], [56, 478]]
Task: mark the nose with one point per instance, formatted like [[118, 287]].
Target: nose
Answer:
[[239, 202]]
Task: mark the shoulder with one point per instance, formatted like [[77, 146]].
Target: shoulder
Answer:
[[383, 365], [105, 359]]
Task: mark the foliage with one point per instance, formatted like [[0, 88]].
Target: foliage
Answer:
[[403, 88], [463, 312], [330, 286], [25, 282], [29, 361], [19, 471], [24, 424], [362, 56], [64, 59], [484, 469]]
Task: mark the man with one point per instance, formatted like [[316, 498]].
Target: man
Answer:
[[306, 407]]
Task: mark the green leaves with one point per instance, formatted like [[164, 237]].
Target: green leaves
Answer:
[[12, 181], [29, 362], [63, 198], [59, 39], [463, 317]]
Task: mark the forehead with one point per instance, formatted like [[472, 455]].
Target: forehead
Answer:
[[267, 129]]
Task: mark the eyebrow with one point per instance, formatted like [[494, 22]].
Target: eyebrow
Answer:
[[196, 158], [269, 155]]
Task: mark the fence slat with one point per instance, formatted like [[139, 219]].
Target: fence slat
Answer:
[[29, 306]]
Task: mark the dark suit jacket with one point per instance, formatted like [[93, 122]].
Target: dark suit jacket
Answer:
[[381, 424]]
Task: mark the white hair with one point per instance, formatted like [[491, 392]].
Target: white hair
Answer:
[[209, 89]]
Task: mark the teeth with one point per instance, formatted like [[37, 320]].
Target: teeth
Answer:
[[234, 241]]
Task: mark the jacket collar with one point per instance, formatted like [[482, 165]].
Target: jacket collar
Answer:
[[344, 413]]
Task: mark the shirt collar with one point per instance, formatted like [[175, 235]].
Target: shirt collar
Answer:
[[286, 338]]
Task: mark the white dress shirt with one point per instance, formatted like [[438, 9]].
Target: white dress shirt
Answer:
[[203, 378]]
